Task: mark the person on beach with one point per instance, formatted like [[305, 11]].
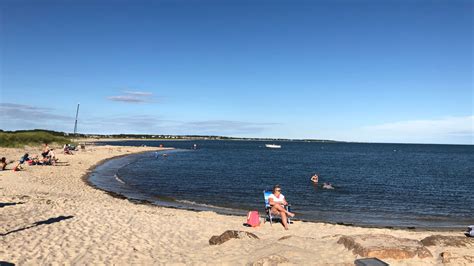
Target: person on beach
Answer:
[[52, 156], [315, 178], [67, 149], [3, 163], [45, 152], [23, 159], [278, 203]]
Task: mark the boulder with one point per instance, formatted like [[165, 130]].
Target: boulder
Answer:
[[230, 234], [447, 241], [384, 246]]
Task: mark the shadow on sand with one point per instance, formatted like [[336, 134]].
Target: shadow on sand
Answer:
[[48, 221], [3, 204]]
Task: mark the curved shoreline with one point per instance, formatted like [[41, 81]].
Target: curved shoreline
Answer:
[[86, 179], [188, 207]]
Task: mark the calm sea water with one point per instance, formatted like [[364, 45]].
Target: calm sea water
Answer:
[[376, 184]]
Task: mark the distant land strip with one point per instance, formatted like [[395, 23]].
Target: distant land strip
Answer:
[[158, 136]]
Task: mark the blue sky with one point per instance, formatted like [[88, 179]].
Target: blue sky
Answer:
[[377, 71]]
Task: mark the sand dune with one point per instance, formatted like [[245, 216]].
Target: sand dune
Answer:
[[50, 215]]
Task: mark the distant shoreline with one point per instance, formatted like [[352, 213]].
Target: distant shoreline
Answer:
[[95, 140], [216, 139]]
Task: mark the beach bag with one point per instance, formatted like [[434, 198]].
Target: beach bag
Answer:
[[253, 219]]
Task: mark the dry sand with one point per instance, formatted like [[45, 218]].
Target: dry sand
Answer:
[[53, 216]]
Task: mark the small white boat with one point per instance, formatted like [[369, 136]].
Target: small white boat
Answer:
[[273, 146]]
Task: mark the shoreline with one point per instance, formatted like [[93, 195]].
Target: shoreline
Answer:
[[49, 214], [95, 140], [220, 212], [85, 177]]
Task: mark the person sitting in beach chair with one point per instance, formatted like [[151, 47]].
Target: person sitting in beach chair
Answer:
[[275, 204]]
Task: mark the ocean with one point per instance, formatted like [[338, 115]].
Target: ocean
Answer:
[[384, 185]]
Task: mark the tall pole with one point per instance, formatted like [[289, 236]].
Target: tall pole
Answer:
[[75, 123]]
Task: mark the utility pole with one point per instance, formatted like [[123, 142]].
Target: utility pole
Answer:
[[75, 123]]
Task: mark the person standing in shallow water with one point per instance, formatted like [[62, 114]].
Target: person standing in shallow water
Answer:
[[315, 178], [278, 203]]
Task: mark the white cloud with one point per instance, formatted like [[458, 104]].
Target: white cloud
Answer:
[[138, 93], [17, 116], [442, 130], [448, 130], [21, 116], [13, 111], [224, 127], [127, 99], [132, 97]]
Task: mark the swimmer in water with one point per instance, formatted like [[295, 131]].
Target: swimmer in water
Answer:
[[315, 178], [327, 185]]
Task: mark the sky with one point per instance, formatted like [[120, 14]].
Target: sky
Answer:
[[369, 71]]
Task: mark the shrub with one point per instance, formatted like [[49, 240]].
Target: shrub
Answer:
[[21, 139]]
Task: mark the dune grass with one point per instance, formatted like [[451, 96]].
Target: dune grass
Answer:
[[32, 138]]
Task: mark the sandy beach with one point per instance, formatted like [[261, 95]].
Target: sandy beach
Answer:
[[48, 214]]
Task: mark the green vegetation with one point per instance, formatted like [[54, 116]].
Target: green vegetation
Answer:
[[35, 137], [21, 138]]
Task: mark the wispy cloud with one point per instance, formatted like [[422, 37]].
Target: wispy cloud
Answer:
[[138, 93], [20, 116], [224, 127], [449, 129], [442, 130], [30, 113], [147, 124], [133, 97], [127, 99], [136, 124]]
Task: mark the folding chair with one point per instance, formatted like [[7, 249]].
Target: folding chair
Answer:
[[268, 208]]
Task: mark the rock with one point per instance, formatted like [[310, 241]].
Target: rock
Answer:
[[452, 241], [270, 260], [384, 246], [230, 234], [451, 257]]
